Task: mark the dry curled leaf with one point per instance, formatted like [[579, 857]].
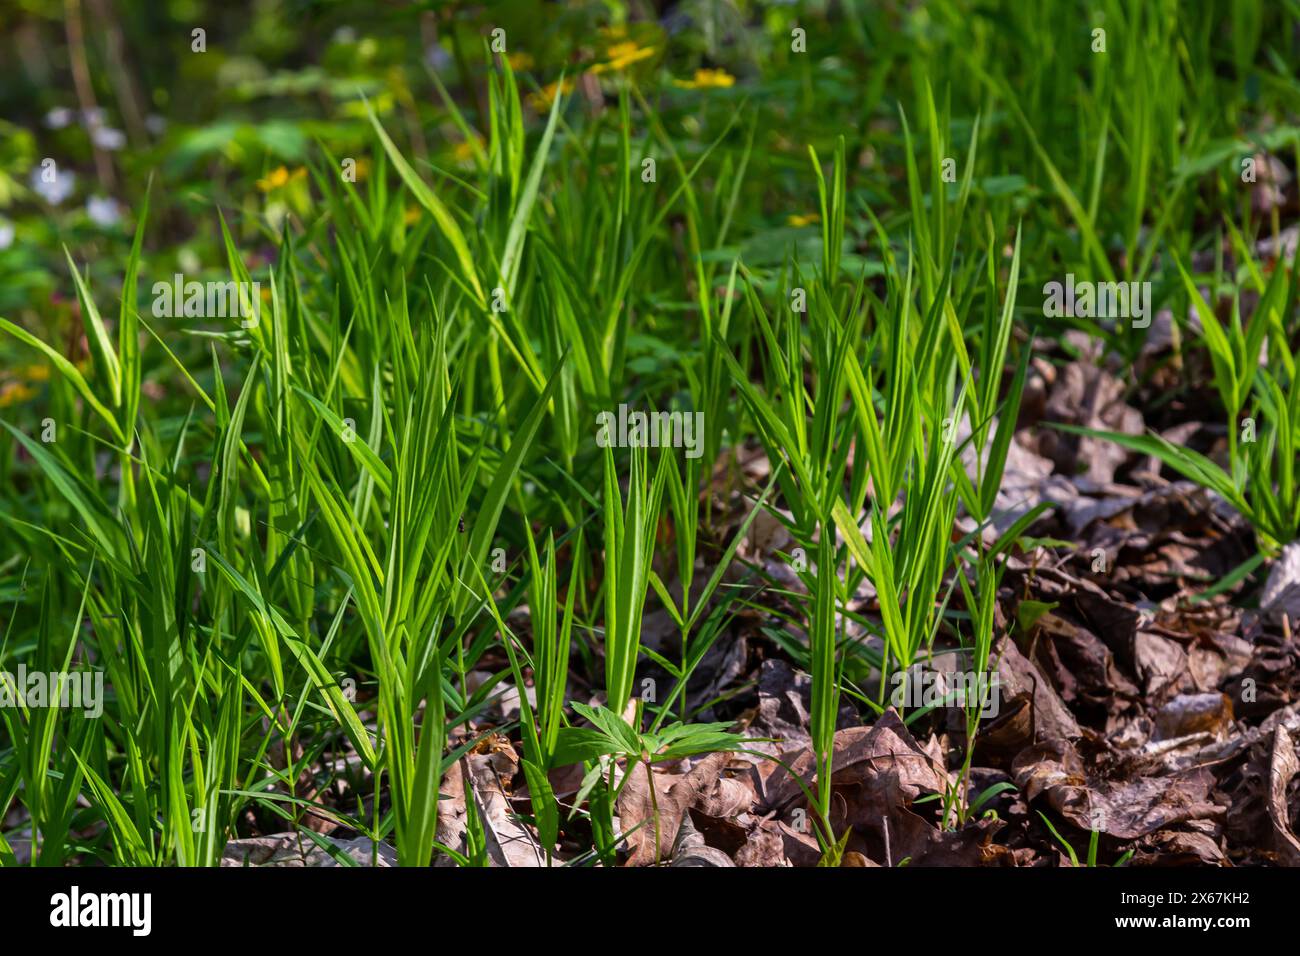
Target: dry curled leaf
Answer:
[[1282, 768], [651, 817]]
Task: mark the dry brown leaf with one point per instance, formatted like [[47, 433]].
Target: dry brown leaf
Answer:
[[1088, 395], [509, 841], [1019, 678], [1189, 714], [656, 833], [766, 846], [883, 755], [1125, 808], [1283, 766], [1177, 848]]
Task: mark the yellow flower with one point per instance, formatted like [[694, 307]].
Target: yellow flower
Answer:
[[465, 151], [14, 392], [805, 219], [705, 79], [541, 100], [520, 61], [279, 177], [412, 215], [623, 55], [34, 373]]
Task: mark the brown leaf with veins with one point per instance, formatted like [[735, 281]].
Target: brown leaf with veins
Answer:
[[1124, 809], [1176, 848], [1283, 766], [884, 754], [1029, 707], [509, 841], [637, 805]]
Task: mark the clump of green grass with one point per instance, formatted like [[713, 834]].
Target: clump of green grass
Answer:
[[1259, 480]]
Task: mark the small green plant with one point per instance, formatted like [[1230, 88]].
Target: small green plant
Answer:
[[1259, 477], [1093, 843]]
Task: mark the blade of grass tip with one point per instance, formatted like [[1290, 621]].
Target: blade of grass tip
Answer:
[[128, 326], [1087, 229], [436, 208], [101, 345], [510, 256]]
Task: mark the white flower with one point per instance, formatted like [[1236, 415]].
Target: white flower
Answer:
[[6, 233], [58, 117], [55, 191], [103, 210], [106, 137]]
